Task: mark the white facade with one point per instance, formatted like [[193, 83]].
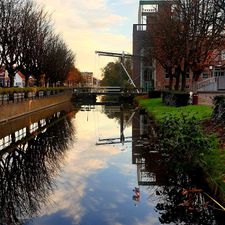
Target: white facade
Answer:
[[19, 80]]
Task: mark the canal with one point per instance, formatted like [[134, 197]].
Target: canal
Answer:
[[93, 165]]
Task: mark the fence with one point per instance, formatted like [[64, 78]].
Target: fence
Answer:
[[7, 98]]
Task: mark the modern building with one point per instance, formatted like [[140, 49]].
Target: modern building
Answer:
[[146, 74], [149, 74]]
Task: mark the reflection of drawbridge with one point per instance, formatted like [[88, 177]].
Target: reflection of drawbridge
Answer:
[[122, 139], [145, 153]]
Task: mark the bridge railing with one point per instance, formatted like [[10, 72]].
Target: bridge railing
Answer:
[[105, 89]]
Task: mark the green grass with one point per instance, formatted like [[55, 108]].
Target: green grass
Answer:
[[158, 110]]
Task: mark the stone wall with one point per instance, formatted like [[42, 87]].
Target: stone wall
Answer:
[[206, 98], [15, 110]]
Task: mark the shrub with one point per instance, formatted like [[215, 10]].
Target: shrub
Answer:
[[154, 94], [183, 142], [175, 98]]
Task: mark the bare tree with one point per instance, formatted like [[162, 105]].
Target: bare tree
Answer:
[[28, 42], [9, 34], [59, 59], [185, 34], [35, 29]]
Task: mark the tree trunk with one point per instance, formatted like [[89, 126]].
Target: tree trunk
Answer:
[[171, 78], [11, 76], [177, 75], [184, 75], [196, 75]]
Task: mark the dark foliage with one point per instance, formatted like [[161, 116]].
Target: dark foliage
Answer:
[[175, 98], [154, 94]]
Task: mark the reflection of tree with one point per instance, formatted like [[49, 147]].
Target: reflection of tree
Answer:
[[181, 203], [26, 173], [115, 112]]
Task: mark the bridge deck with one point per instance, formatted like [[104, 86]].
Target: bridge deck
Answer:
[[106, 91]]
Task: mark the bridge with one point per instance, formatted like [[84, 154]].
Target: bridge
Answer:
[[92, 92]]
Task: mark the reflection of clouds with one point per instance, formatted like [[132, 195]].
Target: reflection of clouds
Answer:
[[127, 169], [82, 161], [150, 220], [112, 217]]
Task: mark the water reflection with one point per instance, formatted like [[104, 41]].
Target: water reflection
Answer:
[[27, 170], [98, 184], [179, 197]]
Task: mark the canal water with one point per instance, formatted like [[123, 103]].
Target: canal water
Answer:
[[93, 165]]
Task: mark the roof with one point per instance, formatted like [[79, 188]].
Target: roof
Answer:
[[21, 75]]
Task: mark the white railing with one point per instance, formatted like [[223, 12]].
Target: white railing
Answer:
[[205, 84]]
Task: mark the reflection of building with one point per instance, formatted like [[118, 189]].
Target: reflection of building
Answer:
[[145, 152]]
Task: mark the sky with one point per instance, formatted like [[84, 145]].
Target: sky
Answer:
[[87, 26]]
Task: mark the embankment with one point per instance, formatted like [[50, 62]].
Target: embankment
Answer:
[[15, 110]]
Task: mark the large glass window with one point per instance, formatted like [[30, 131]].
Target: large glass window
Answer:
[[219, 72]]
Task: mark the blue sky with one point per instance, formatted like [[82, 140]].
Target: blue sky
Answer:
[[87, 26]]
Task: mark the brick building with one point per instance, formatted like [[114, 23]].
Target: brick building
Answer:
[[88, 78], [150, 74]]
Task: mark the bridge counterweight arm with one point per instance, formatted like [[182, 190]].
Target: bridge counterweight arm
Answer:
[[121, 56]]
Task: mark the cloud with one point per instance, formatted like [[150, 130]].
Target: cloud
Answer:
[[87, 26]]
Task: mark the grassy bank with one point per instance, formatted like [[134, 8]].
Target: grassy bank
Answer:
[[158, 110], [213, 159]]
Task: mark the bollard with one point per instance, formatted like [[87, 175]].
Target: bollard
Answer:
[[195, 99]]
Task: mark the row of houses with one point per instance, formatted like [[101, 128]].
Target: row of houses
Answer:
[[89, 79], [20, 81], [151, 75]]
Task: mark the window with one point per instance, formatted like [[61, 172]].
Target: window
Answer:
[[166, 74], [205, 75], [223, 55], [188, 74], [219, 72], [147, 75]]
